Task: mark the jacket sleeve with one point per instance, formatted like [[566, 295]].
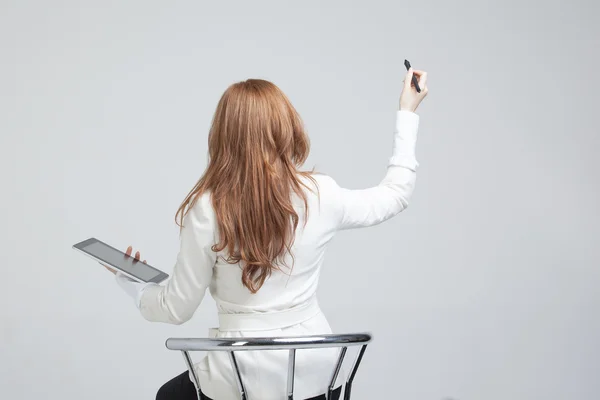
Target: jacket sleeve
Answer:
[[177, 300], [372, 206]]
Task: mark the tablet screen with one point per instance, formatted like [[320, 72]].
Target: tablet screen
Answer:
[[118, 259]]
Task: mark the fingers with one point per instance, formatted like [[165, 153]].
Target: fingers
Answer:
[[421, 78], [137, 255], [408, 78]]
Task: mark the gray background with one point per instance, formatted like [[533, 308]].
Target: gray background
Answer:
[[485, 288]]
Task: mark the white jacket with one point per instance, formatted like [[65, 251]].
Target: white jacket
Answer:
[[286, 304]]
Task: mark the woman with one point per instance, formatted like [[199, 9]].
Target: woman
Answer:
[[254, 230]]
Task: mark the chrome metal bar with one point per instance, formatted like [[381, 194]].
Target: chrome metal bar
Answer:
[[336, 372], [190, 366], [292, 344], [348, 388], [238, 376], [290, 377], [281, 343]]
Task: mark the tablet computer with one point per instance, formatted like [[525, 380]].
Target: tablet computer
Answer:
[[120, 261]]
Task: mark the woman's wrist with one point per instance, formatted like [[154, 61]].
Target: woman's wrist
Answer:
[[409, 109]]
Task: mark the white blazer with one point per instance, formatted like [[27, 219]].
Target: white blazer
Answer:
[[286, 304]]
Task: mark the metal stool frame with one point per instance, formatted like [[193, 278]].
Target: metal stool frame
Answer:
[[231, 345]]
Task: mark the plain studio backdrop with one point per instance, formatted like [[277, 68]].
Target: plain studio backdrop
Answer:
[[485, 288]]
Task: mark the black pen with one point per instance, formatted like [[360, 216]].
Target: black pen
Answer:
[[414, 78]]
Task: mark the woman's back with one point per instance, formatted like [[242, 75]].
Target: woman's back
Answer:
[[286, 303], [294, 282], [259, 246]]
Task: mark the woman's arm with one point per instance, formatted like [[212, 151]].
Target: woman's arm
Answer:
[[177, 300], [367, 207], [372, 206]]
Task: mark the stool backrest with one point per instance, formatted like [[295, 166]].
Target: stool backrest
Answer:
[[232, 345]]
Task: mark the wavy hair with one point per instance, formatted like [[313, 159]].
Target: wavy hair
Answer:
[[257, 144]]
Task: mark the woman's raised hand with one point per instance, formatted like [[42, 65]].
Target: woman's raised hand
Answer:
[[410, 98]]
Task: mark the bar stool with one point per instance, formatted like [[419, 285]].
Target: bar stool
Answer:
[[232, 345]]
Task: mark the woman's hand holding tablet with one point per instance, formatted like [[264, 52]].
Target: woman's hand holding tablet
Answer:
[[118, 262]]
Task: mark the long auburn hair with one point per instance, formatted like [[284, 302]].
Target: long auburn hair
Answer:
[[256, 144]]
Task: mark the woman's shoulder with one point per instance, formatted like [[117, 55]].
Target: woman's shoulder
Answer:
[[322, 180], [323, 186], [202, 207]]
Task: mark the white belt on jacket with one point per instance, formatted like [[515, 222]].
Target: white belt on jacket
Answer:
[[268, 320]]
